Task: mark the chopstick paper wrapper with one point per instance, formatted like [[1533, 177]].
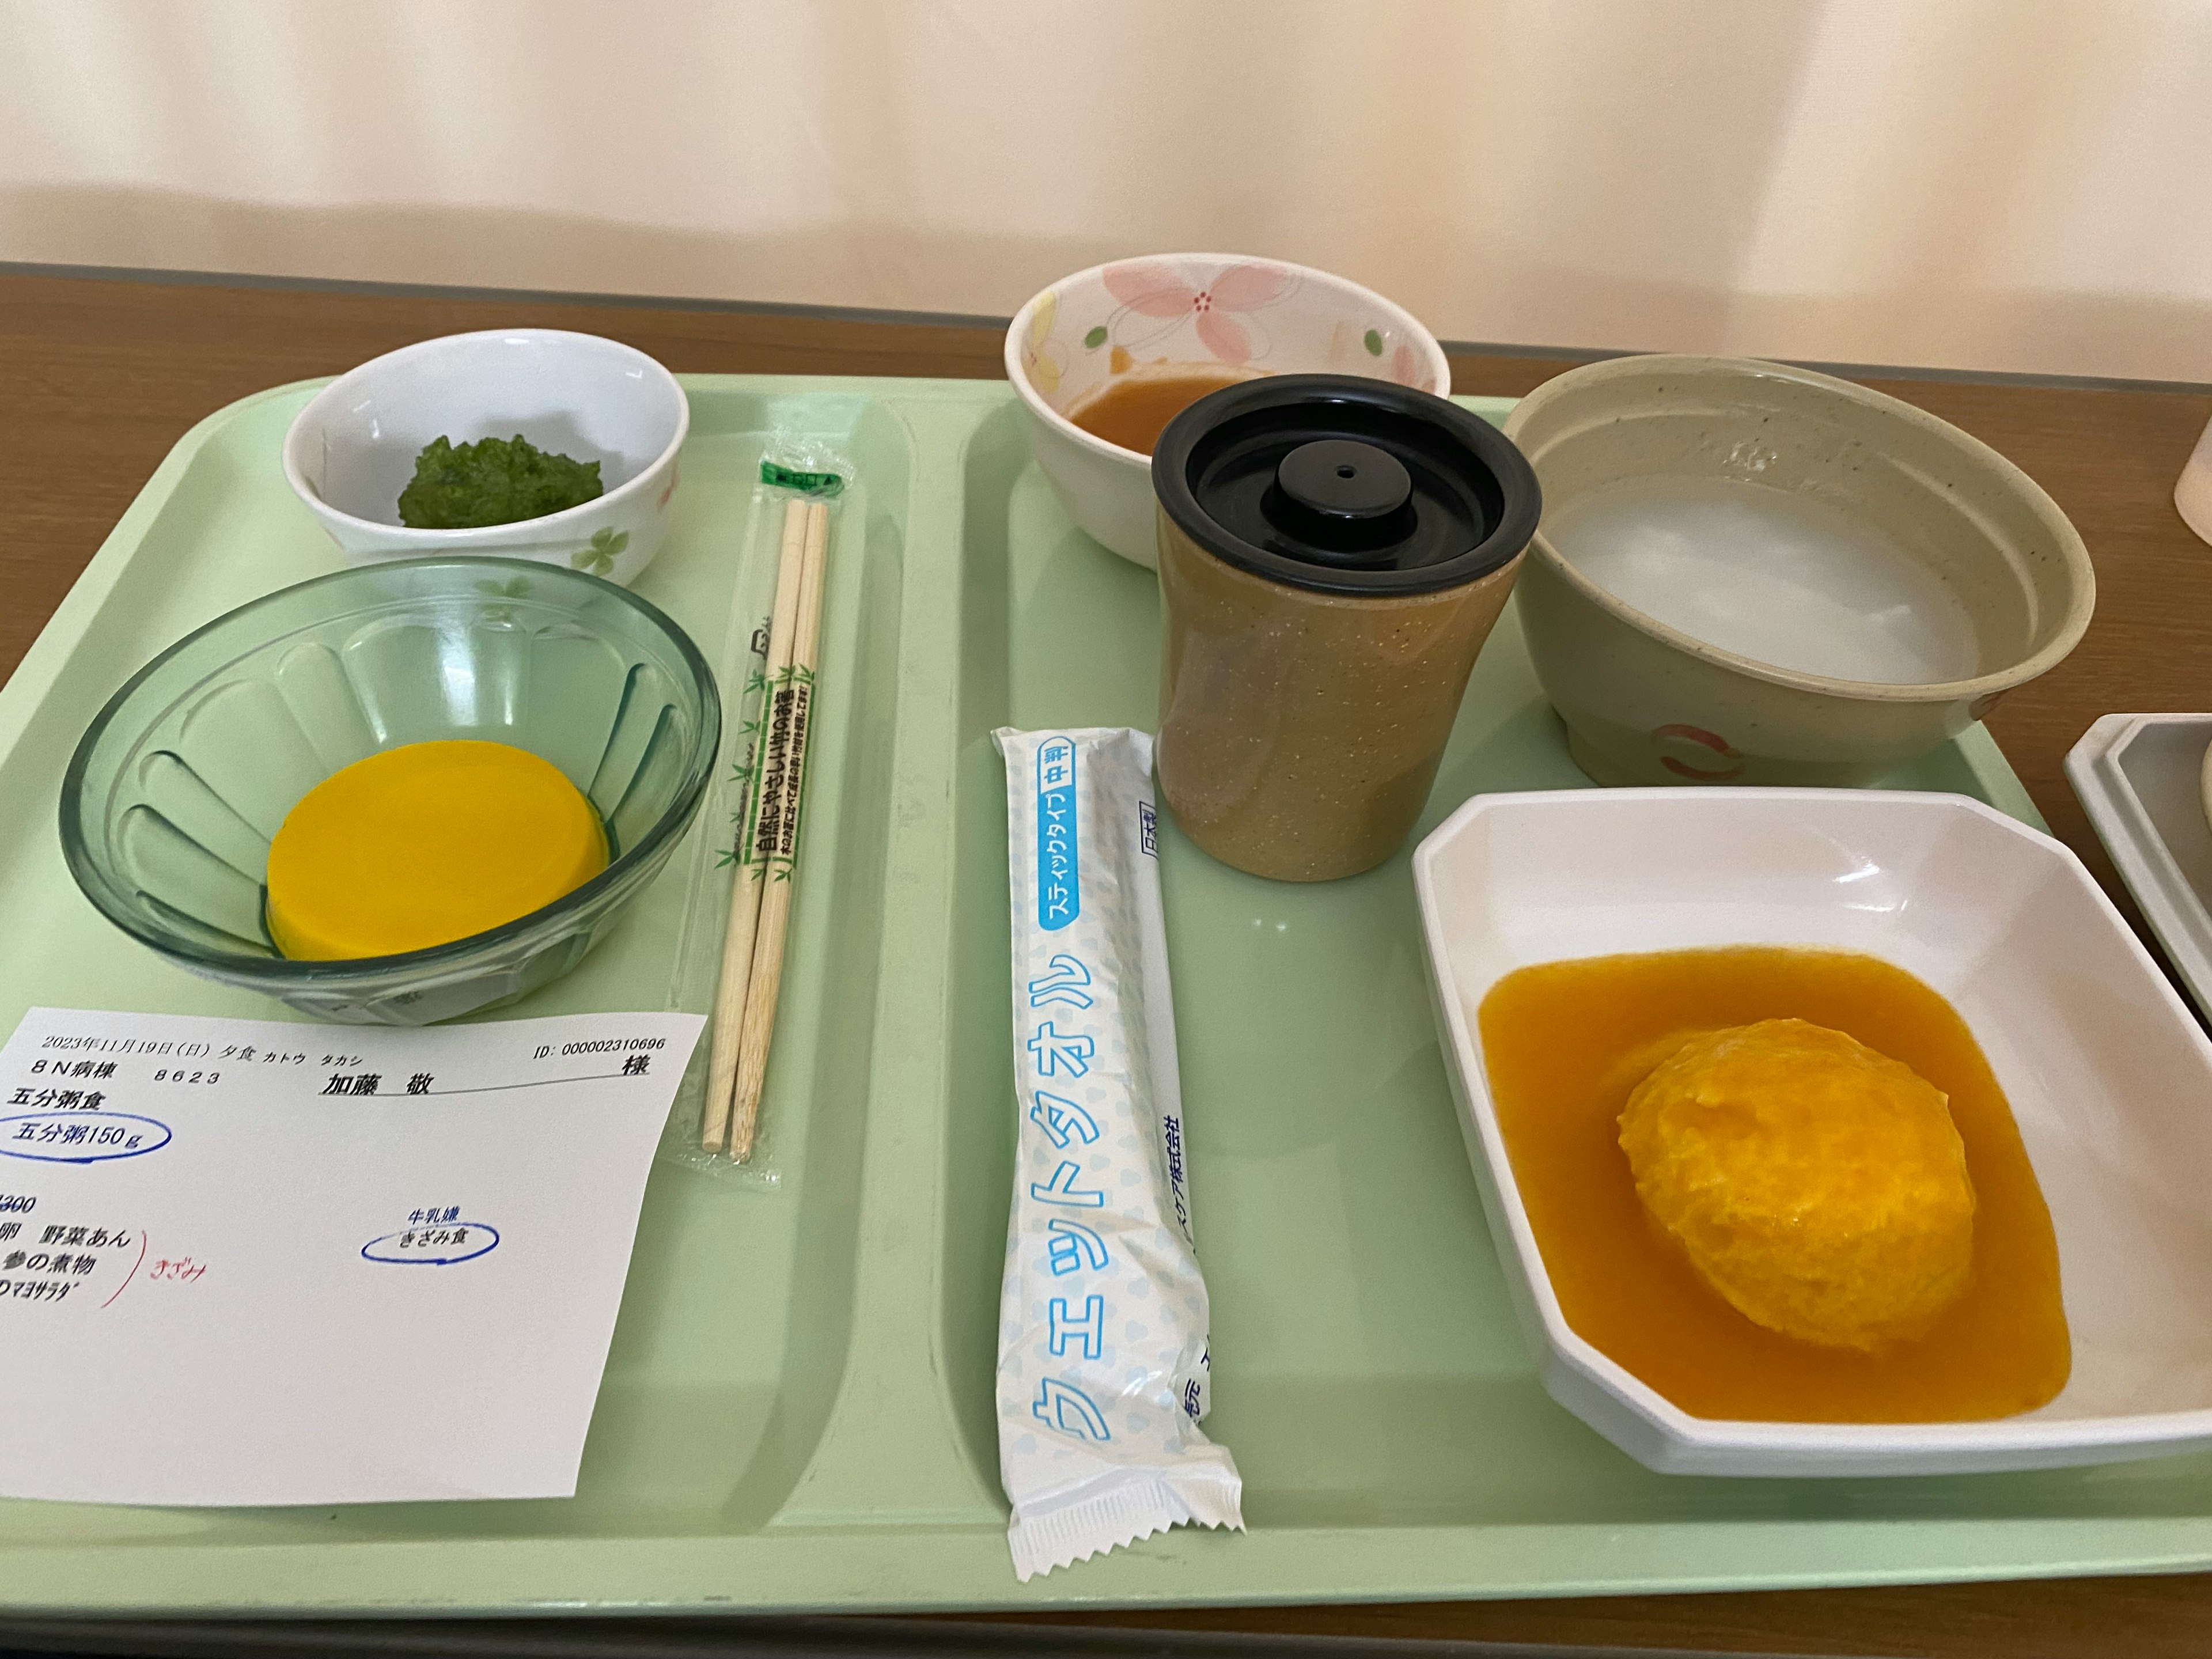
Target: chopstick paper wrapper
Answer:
[[789, 716], [738, 940], [773, 768], [1103, 1358]]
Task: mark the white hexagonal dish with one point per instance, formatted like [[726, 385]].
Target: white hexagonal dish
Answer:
[[2109, 1076]]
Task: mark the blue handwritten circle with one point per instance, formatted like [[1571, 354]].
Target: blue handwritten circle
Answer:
[[112, 1139], [490, 1237]]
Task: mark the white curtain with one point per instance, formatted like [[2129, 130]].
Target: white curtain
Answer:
[[1991, 183]]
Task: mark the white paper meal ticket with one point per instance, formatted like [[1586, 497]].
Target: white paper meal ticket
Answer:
[[275, 1263]]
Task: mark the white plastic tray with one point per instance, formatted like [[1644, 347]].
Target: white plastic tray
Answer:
[[2139, 777]]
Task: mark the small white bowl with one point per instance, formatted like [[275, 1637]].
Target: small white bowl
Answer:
[[2109, 1078], [1187, 311], [352, 449]]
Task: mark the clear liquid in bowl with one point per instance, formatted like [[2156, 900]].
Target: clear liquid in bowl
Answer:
[[1779, 577]]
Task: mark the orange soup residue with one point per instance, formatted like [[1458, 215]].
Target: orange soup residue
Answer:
[[1133, 409], [1565, 1044]]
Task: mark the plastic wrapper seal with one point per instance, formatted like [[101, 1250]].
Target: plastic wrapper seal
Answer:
[[1103, 1366]]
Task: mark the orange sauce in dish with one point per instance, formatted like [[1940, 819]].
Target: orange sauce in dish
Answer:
[[1564, 1044], [1133, 409]]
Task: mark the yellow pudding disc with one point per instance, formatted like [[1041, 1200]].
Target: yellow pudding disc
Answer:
[[425, 844]]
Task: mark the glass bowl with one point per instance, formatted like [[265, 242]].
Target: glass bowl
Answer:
[[175, 790]]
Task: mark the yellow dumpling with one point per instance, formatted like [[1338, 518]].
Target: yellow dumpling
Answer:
[[1819, 1186], [425, 844]]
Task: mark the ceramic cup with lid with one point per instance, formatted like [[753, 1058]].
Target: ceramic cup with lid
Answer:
[[1333, 552]]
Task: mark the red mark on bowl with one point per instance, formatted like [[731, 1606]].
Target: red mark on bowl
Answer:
[[1697, 766]]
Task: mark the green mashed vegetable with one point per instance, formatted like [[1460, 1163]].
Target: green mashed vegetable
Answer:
[[493, 481]]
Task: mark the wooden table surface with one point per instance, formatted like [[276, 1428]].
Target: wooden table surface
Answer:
[[99, 377]]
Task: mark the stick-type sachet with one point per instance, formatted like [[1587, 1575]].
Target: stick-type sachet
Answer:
[[1103, 1357]]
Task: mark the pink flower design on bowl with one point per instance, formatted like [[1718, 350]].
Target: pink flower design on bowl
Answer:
[[1156, 299]]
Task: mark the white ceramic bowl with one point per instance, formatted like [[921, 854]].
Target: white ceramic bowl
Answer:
[[1929, 559], [352, 449], [2109, 1078], [1166, 312], [2204, 785]]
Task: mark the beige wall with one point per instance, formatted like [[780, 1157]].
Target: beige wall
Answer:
[[1994, 183]]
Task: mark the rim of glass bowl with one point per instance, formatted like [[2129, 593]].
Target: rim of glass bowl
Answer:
[[96, 886]]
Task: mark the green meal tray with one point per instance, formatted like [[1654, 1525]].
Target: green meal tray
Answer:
[[797, 1412]]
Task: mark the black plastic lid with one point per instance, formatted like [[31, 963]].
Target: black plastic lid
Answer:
[[1339, 484]]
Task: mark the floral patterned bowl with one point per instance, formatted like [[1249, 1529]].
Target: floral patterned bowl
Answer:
[[1193, 313], [352, 449]]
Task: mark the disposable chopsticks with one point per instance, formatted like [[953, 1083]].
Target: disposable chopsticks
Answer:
[[777, 850], [745, 891]]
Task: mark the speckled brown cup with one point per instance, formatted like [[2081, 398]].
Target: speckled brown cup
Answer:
[[1314, 660]]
